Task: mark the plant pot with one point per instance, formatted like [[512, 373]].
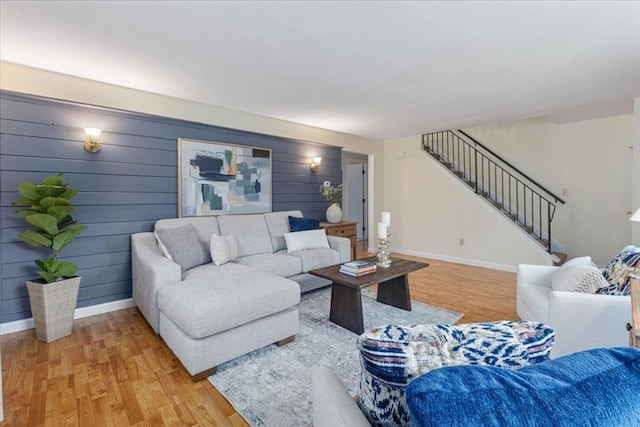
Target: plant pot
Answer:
[[334, 213], [53, 306]]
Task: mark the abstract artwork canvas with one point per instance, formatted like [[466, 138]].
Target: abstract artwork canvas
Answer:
[[217, 179]]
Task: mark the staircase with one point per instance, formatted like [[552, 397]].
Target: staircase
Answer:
[[518, 197]]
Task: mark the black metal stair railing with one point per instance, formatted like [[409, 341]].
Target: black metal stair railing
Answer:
[[516, 195]]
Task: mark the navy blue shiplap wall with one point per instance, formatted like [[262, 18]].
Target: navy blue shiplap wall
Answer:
[[124, 188]]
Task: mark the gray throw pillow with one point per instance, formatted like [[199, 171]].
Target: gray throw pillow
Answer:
[[184, 246]]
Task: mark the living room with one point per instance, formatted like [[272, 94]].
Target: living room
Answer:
[[435, 216]]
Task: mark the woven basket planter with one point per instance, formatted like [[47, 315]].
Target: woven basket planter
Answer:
[[52, 306]]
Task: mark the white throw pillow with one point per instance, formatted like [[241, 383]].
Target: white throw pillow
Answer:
[[223, 249], [581, 260], [578, 278], [303, 240], [162, 247]]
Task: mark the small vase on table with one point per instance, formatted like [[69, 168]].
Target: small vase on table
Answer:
[[334, 213]]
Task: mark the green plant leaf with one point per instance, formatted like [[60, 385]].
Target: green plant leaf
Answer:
[[47, 202], [35, 238], [69, 193], [63, 239], [54, 180], [66, 269], [49, 190], [52, 270], [27, 212], [48, 277], [60, 212], [24, 202], [28, 191], [78, 228], [45, 222]]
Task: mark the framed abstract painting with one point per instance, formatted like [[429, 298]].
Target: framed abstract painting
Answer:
[[217, 179]]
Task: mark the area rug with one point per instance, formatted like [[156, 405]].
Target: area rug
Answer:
[[272, 386]]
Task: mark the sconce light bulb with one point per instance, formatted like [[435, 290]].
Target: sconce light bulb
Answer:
[[315, 163], [92, 143]]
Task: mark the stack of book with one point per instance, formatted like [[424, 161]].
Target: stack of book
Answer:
[[358, 268]]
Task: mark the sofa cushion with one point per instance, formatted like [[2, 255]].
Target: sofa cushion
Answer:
[[183, 245], [590, 388], [619, 269], [316, 258], [250, 232], [392, 356], [303, 224], [278, 224], [223, 249], [578, 278], [305, 240], [205, 304], [205, 226], [279, 264]]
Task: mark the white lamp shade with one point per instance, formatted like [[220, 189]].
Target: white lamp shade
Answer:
[[636, 216]]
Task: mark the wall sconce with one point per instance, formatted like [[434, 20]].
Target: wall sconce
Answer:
[[315, 163], [636, 216], [92, 143]]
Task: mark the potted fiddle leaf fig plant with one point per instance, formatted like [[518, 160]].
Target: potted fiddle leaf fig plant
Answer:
[[47, 209]]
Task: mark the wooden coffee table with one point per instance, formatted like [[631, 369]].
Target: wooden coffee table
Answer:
[[346, 298]]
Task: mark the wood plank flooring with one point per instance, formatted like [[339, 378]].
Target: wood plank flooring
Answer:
[[115, 371]]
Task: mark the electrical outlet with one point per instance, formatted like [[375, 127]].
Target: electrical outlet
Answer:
[[565, 192], [461, 241], [327, 184]]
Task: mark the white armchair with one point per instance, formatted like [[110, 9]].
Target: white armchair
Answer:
[[581, 321]]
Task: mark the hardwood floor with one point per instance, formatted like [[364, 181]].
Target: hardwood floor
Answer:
[[115, 371]]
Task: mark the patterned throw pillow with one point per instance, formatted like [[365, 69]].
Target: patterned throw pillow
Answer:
[[392, 356], [618, 271]]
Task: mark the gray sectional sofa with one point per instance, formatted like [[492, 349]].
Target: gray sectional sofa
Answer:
[[212, 306]]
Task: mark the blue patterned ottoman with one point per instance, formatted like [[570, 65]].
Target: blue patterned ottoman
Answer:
[[394, 355]]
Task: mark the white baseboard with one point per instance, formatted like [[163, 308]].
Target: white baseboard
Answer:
[[92, 310], [464, 261]]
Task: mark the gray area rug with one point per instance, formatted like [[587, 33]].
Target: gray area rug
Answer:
[[272, 386]]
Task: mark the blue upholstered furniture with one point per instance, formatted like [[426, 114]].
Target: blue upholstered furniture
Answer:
[[599, 387], [392, 356]]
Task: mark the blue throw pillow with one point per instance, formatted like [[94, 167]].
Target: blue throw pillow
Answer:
[[599, 387], [303, 224]]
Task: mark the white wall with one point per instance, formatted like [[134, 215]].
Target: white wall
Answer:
[[635, 181], [431, 210], [591, 160]]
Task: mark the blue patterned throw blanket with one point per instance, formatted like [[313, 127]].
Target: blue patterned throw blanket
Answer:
[[394, 355]]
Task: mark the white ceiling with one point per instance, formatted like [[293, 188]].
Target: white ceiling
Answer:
[[372, 68]]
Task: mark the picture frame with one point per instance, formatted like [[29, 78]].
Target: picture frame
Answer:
[[216, 178]]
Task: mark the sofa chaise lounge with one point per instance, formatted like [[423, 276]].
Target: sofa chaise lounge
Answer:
[[215, 288]]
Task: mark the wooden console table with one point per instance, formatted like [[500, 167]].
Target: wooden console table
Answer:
[[343, 229]]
